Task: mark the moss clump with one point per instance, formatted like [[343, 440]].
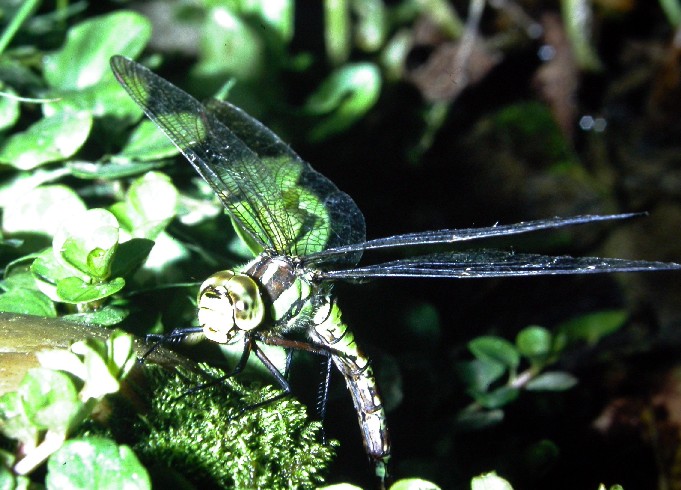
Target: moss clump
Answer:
[[213, 438]]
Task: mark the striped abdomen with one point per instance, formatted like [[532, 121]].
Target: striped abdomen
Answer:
[[330, 330]]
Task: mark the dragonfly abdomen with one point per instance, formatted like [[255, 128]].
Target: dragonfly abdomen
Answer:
[[329, 330]]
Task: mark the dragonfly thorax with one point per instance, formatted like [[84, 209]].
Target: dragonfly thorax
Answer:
[[286, 289], [229, 303]]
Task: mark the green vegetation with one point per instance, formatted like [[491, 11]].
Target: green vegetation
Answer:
[[100, 227]]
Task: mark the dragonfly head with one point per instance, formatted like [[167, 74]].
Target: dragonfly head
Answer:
[[229, 303]]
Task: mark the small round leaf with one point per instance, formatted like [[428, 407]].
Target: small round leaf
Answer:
[[534, 342], [51, 139], [95, 462], [41, 210], [497, 349], [75, 290], [490, 481]]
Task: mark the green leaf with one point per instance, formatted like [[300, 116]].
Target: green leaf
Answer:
[[552, 381], [578, 20], [51, 139], [94, 263], [9, 109], [80, 70], [75, 290], [371, 25], [343, 98], [424, 324], [27, 302], [15, 15], [337, 29], [8, 479], [99, 380], [100, 364], [41, 210], [106, 363], [17, 276], [83, 61], [535, 343], [148, 143], [590, 328], [153, 197], [342, 486], [479, 374], [104, 99], [50, 400], [106, 317], [241, 244], [48, 270], [99, 263], [672, 10], [121, 352], [275, 14], [130, 256], [490, 481], [88, 241], [472, 420], [166, 252], [495, 349], [116, 168], [229, 45], [497, 398], [14, 188], [95, 462], [413, 484], [150, 204], [62, 360], [532, 127], [14, 421]]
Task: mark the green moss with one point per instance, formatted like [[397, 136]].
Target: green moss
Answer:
[[213, 437]]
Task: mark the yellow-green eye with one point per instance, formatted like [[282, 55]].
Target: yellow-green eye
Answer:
[[229, 303]]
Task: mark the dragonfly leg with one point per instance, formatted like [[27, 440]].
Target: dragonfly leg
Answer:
[[248, 347], [323, 350], [314, 348], [289, 359], [281, 379], [168, 338], [323, 395]]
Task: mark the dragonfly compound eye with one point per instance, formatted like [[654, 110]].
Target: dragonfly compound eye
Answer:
[[228, 304]]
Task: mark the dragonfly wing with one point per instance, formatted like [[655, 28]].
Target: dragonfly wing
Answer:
[[247, 187], [495, 263], [341, 220], [466, 234]]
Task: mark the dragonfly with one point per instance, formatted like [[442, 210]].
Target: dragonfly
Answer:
[[310, 234]]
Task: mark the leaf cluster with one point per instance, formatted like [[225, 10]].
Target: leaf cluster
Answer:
[[502, 370], [50, 405]]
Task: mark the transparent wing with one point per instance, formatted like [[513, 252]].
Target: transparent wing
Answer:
[[465, 234], [344, 224], [495, 263], [278, 199]]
